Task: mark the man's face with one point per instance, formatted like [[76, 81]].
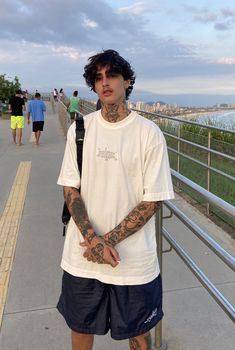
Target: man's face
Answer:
[[109, 86]]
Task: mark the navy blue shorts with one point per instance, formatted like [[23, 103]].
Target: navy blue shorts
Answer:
[[38, 126], [92, 307]]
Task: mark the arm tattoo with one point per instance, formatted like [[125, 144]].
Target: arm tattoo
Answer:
[[134, 221], [78, 212], [139, 343]]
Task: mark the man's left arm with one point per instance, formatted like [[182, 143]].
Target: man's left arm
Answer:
[[134, 221]]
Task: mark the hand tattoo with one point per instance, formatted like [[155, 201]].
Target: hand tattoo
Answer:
[[98, 252]]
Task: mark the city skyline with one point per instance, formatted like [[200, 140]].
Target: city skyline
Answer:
[[181, 53]]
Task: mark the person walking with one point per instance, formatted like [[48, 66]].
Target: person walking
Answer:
[[61, 94], [73, 105], [55, 94], [17, 108], [37, 108], [111, 278]]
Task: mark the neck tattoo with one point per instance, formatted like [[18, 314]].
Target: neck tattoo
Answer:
[[115, 112], [111, 113]]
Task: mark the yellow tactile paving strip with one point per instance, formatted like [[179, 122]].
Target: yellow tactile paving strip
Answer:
[[9, 227]]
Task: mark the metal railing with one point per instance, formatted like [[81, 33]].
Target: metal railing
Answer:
[[178, 125], [161, 233], [228, 259]]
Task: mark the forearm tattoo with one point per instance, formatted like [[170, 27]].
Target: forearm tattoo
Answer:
[[78, 212], [134, 221], [141, 343]]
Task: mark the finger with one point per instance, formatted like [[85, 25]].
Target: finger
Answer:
[[86, 254], [111, 261], [114, 254], [83, 244], [114, 263]]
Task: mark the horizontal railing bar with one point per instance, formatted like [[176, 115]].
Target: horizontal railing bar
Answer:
[[185, 121], [230, 177], [214, 292], [210, 197], [228, 259], [227, 156]]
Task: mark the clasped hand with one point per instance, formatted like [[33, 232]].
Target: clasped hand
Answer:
[[100, 251]]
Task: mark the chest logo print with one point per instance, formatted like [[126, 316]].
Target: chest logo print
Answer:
[[106, 154]]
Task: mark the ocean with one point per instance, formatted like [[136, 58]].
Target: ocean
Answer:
[[225, 120]]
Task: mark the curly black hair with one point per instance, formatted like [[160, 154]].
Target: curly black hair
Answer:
[[116, 63]]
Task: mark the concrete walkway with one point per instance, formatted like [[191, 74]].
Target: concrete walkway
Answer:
[[193, 321]]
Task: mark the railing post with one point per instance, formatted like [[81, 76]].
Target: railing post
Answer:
[[178, 151], [208, 169], [158, 343]]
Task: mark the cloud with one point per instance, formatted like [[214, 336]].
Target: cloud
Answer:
[[223, 26], [135, 9], [89, 23], [47, 43], [204, 15], [201, 14], [189, 85], [139, 8], [72, 53], [226, 12], [88, 26], [226, 60]]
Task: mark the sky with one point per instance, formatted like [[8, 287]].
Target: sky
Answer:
[[182, 52]]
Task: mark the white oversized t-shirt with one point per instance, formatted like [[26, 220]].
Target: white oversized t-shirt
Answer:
[[124, 163]]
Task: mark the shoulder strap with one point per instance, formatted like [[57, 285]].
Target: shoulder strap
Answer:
[[80, 133]]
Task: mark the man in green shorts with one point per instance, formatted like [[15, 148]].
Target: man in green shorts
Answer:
[[17, 109]]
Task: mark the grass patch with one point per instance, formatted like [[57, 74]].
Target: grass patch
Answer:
[[221, 141]]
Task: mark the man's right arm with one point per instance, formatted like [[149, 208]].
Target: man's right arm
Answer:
[[99, 250]]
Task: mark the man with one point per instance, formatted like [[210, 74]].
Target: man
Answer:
[[111, 275], [55, 94], [17, 109], [37, 108], [73, 106]]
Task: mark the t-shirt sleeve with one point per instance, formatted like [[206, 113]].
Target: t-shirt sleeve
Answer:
[[157, 176], [69, 173]]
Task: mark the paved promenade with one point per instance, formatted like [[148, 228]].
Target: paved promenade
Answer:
[[31, 244]]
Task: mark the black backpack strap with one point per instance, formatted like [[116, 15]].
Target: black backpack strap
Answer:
[[80, 133], [79, 138]]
